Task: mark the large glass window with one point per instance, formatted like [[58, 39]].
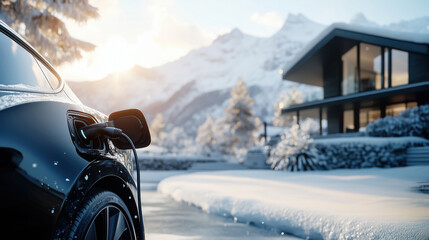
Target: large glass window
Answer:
[[349, 83], [375, 63], [399, 67], [396, 109], [368, 115], [18, 68], [412, 104], [370, 67], [348, 121]]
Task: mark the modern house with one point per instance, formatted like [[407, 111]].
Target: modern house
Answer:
[[366, 73]]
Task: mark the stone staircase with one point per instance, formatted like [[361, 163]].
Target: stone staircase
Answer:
[[417, 156]]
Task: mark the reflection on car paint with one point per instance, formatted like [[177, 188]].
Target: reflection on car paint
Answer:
[[12, 99]]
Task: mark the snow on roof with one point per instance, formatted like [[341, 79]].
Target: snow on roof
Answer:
[[369, 30]]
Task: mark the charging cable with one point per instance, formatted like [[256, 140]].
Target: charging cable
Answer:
[[95, 130], [138, 178]]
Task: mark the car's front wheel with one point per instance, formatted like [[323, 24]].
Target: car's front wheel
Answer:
[[103, 216]]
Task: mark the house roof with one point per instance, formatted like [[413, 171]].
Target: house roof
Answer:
[[307, 66]]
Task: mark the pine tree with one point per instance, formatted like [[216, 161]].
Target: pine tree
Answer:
[[241, 125], [176, 140], [293, 97], [293, 152], [279, 119], [223, 136], [41, 24], [310, 126], [206, 136], [157, 127]]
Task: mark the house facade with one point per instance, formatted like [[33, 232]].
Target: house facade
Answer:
[[366, 74]]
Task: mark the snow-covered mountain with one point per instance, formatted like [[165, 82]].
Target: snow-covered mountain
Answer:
[[198, 84]]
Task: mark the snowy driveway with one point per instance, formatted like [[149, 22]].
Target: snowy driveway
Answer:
[[167, 219]]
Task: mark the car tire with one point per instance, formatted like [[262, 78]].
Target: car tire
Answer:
[[103, 215]]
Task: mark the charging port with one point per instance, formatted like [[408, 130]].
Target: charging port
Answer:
[[78, 125], [78, 120]]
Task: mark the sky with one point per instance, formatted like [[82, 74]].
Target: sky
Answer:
[[150, 33]]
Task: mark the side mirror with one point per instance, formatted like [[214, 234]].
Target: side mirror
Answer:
[[133, 123]]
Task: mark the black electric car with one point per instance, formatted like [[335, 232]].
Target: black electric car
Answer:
[[66, 171]]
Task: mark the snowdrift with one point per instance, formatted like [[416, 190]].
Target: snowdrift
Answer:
[[339, 204]]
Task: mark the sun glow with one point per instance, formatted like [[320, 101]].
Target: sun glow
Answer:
[[117, 54], [114, 56], [152, 39]]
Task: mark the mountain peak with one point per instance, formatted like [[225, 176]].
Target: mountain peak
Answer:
[[299, 27], [296, 19], [236, 31], [234, 34], [360, 19]]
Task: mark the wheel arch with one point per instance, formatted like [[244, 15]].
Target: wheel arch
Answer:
[[116, 185], [105, 175]]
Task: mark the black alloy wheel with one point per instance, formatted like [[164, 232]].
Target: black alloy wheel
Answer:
[[103, 217]]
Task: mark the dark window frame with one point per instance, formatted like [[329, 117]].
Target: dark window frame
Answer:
[[383, 70]]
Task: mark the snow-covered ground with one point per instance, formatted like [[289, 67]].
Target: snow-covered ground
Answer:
[[339, 204], [165, 219], [149, 179]]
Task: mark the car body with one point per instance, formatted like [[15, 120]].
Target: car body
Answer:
[[46, 169]]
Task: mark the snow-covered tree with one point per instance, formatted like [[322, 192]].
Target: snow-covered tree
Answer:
[[310, 126], [293, 97], [412, 122], [157, 126], [41, 24], [175, 141], [223, 137], [241, 124], [292, 153], [279, 119], [206, 136]]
